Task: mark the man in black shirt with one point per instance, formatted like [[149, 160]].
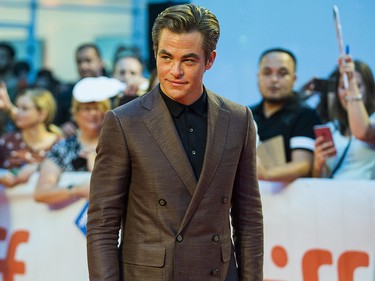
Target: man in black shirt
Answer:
[[281, 113], [191, 124], [173, 166]]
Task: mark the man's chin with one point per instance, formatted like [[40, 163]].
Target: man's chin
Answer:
[[277, 100]]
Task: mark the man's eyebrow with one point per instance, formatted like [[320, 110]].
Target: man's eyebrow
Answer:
[[265, 68], [191, 55], [284, 68], [164, 52]]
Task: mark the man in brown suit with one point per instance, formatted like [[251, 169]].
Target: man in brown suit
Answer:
[[175, 168]]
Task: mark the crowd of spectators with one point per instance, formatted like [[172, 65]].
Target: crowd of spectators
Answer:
[[48, 125], [286, 122], [41, 119]]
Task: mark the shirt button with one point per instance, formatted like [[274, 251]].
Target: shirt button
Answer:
[[191, 130], [215, 272], [162, 202], [215, 238], [179, 238], [193, 152]]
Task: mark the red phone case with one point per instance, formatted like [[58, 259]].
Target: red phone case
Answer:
[[324, 131]]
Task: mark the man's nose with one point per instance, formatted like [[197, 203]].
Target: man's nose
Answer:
[[176, 69], [274, 77]]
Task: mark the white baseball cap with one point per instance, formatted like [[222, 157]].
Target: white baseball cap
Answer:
[[95, 89]]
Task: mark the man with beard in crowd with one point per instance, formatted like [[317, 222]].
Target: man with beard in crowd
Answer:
[[281, 113]]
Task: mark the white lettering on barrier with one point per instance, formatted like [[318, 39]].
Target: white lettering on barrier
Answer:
[[315, 230]]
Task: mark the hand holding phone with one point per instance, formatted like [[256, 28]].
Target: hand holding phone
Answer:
[[325, 132]]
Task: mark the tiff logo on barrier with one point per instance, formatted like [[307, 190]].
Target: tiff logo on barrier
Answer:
[[313, 259], [8, 265]]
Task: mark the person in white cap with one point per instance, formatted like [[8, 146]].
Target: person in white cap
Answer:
[[91, 100], [89, 63]]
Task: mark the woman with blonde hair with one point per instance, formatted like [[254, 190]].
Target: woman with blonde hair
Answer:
[[22, 151]]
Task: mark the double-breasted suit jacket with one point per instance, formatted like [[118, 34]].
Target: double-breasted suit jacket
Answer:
[[173, 226]]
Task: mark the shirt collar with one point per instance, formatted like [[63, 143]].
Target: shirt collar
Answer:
[[176, 108]]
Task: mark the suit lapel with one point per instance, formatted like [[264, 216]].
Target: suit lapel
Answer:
[[160, 123], [218, 122]]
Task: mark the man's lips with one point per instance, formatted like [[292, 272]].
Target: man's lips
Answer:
[[177, 83], [274, 89]]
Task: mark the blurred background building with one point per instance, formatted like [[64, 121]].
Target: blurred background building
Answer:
[[47, 32]]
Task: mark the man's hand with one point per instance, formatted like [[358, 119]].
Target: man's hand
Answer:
[[68, 129], [137, 86]]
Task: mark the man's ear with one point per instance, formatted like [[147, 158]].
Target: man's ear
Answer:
[[211, 60]]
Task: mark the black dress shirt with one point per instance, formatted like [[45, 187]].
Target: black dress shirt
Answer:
[[191, 124]]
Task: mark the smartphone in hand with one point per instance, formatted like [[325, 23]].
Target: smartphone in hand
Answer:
[[325, 132]]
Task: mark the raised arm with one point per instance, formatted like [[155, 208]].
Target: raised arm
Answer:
[[361, 126], [5, 103]]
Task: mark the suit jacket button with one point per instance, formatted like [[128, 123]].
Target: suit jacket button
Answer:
[[215, 238], [162, 202], [224, 200], [215, 273], [179, 238]]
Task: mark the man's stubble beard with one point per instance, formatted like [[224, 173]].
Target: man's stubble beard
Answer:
[[277, 100]]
